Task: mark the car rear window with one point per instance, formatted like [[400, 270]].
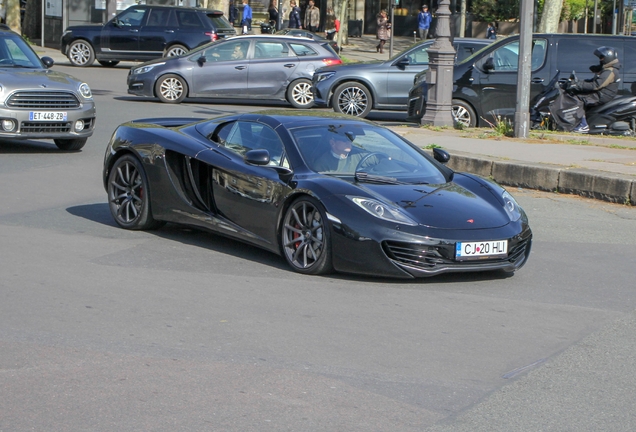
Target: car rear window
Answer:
[[302, 49], [218, 21]]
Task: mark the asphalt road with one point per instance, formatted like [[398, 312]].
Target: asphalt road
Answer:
[[107, 329]]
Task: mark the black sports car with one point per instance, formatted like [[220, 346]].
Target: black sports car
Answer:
[[326, 192]]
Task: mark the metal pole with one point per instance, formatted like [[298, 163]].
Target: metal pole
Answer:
[[522, 114], [614, 18], [595, 12], [391, 30]]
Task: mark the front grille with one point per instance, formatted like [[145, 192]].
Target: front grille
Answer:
[[428, 257], [43, 100], [45, 127]]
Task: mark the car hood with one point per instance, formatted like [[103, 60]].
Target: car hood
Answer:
[[37, 79], [443, 206]]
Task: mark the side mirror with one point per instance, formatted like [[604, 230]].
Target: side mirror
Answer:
[[489, 64], [440, 155], [201, 60], [48, 62], [257, 157], [403, 62]]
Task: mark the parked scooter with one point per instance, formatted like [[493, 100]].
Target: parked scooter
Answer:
[[617, 117]]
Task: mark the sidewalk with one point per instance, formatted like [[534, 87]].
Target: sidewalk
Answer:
[[592, 166]]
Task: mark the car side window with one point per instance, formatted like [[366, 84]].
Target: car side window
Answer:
[[538, 53], [302, 50], [270, 50], [242, 136], [506, 58], [132, 17], [419, 56], [158, 17], [226, 51], [188, 19]]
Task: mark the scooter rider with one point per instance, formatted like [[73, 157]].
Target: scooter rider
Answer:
[[599, 89]]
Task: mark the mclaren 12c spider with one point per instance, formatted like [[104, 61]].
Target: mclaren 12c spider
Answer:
[[328, 192]]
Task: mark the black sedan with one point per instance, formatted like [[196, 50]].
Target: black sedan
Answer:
[[327, 192]]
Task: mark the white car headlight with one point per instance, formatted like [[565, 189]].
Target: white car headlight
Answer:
[[146, 69], [85, 91], [383, 211], [511, 206]]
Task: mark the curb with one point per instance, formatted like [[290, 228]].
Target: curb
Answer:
[[587, 183]]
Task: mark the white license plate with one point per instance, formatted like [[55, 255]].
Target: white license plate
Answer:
[[483, 249], [47, 116]]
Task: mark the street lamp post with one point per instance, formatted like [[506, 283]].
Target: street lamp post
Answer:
[[439, 76]]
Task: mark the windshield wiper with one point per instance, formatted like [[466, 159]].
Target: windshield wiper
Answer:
[[362, 176]]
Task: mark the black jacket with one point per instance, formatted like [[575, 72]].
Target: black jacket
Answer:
[[603, 87]]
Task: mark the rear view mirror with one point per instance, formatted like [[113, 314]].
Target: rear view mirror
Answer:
[[489, 64], [201, 60], [440, 155]]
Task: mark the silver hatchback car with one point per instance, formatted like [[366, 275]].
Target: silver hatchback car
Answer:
[[264, 67], [39, 103]]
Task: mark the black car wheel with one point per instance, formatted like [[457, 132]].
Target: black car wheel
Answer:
[[353, 99], [175, 51], [171, 89], [70, 144], [305, 237], [81, 53], [129, 195], [108, 63], [463, 113], [299, 94]]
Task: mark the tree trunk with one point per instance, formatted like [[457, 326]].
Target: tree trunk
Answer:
[[13, 15], [340, 9], [550, 17]]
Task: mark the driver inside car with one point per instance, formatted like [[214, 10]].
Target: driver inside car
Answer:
[[342, 156]]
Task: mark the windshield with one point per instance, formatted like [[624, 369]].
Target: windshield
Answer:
[[15, 52], [352, 148]]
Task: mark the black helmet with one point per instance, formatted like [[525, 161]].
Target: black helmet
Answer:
[[606, 54]]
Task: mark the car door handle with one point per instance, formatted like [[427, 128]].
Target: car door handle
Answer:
[[169, 31], [290, 65], [240, 67], [537, 80], [134, 30]]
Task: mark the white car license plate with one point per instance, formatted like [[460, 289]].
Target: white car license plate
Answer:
[[47, 116], [483, 249]]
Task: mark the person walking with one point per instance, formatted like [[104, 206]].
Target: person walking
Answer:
[[294, 15], [273, 14], [330, 24], [424, 19], [312, 17], [384, 30], [233, 13], [491, 32], [246, 22]]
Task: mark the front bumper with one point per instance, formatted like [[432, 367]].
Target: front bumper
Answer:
[[141, 85], [79, 122], [322, 93], [406, 255], [417, 102]]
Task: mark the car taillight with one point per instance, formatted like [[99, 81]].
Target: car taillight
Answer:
[[213, 35], [332, 61]]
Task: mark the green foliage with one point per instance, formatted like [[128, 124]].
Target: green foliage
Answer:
[[573, 10], [496, 10], [502, 127]]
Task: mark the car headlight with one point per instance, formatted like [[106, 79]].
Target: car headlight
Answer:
[[383, 211], [419, 79], [511, 206], [321, 76], [85, 91], [147, 68]]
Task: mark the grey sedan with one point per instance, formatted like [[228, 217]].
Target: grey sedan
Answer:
[[39, 103], [358, 88], [245, 67]]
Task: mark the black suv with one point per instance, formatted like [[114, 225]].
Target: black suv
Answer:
[[143, 33], [485, 85]]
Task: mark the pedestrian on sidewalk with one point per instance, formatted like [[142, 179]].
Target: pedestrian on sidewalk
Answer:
[[294, 15], [424, 19], [384, 30], [312, 17], [246, 23], [491, 32]]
